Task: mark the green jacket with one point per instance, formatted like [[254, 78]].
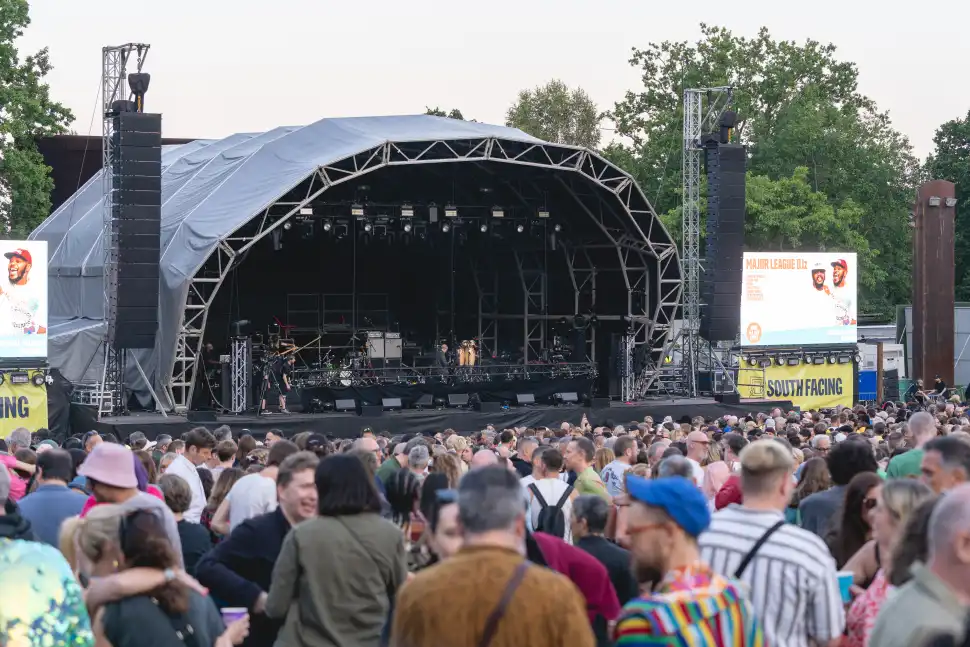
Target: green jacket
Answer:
[[905, 465]]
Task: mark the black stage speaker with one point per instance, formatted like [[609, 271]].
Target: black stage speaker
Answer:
[[201, 416], [345, 405], [488, 407], [599, 403], [391, 403], [721, 280], [136, 222], [567, 398], [371, 411], [426, 400], [525, 398], [728, 398], [457, 399]]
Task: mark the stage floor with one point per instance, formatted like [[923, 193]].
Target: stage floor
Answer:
[[349, 425]]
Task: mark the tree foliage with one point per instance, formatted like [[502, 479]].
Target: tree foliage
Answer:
[[798, 108], [26, 112], [454, 113], [951, 161], [555, 113]]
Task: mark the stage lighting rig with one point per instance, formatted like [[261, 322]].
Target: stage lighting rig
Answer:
[[357, 210], [327, 225], [445, 227], [451, 211], [498, 212], [557, 228], [520, 228], [38, 378], [407, 228], [407, 211], [368, 227], [543, 213], [483, 228]]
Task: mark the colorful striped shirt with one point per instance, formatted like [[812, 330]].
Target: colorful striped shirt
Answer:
[[693, 606]]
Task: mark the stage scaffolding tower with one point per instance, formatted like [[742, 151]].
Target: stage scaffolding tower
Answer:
[[702, 111], [114, 87]]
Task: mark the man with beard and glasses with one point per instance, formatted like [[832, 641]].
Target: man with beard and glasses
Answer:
[[689, 603], [22, 307]]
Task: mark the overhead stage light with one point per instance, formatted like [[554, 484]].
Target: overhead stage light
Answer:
[[407, 228], [451, 211], [287, 225], [327, 226], [368, 227], [306, 211], [483, 228], [498, 212], [37, 379], [557, 228], [407, 211], [446, 227], [543, 213], [520, 228], [357, 210]]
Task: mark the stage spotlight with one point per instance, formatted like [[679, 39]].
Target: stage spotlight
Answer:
[[287, 225], [451, 211], [368, 227], [483, 228], [446, 227], [37, 379], [543, 213], [407, 228], [498, 212], [557, 228], [794, 360], [357, 210], [327, 225], [520, 228], [20, 377], [306, 211], [407, 211]]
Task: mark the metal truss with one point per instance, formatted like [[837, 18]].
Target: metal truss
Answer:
[[695, 121], [628, 223], [114, 87], [534, 280], [241, 367], [486, 284]]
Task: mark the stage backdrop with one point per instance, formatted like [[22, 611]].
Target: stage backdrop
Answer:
[[23, 300], [807, 386], [792, 299], [22, 405]]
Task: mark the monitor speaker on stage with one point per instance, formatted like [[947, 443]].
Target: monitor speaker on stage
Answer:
[[201, 416], [391, 403], [457, 399], [488, 407], [525, 398], [426, 400], [136, 219], [371, 411], [345, 405], [567, 398], [721, 280], [598, 403]]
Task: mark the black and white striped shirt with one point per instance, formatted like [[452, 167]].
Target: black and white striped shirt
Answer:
[[791, 581]]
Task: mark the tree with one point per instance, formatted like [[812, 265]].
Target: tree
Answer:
[[555, 113], [26, 112], [951, 161], [798, 106], [454, 113]]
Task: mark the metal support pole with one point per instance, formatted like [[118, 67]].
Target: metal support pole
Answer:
[[141, 372]]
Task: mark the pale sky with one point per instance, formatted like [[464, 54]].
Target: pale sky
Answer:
[[220, 67]]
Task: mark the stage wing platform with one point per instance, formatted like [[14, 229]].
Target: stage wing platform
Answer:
[[349, 425]]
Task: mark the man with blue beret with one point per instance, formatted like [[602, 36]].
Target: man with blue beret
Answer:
[[688, 603]]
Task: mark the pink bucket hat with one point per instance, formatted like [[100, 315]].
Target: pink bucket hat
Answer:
[[110, 464]]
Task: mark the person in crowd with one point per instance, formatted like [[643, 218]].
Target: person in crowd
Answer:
[[47, 610], [110, 472], [205, 476], [688, 603], [912, 546], [162, 441], [418, 460], [16, 467], [579, 460], [813, 476], [492, 514], [52, 502], [655, 454], [136, 539], [195, 538], [845, 460], [716, 475], [224, 483], [396, 461], [253, 494], [450, 466], [602, 457], [143, 485], [851, 530], [165, 461], [733, 444], [151, 471], [697, 448], [273, 436], [751, 542], [199, 444], [922, 427], [550, 499], [522, 461], [223, 457], [18, 439], [675, 465], [337, 574], [245, 446], [91, 440], [894, 502], [238, 571], [483, 458], [625, 450], [589, 519], [439, 507], [945, 463], [936, 599]]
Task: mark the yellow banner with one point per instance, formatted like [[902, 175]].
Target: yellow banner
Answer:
[[22, 405], [807, 386]]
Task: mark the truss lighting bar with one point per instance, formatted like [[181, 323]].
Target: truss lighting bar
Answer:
[[543, 213], [451, 212], [498, 212], [407, 211], [357, 211], [306, 211]]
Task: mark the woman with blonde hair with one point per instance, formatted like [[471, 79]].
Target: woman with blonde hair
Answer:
[[603, 457], [449, 465]]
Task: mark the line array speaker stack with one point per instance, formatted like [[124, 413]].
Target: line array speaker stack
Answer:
[[136, 226], [721, 281]]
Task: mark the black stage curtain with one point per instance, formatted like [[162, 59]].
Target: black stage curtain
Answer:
[[491, 391]]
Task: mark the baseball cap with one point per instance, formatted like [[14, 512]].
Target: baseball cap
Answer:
[[840, 263], [675, 495], [22, 253], [110, 464]]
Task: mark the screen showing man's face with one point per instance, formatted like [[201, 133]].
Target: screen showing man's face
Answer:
[[818, 279], [17, 269], [838, 275]]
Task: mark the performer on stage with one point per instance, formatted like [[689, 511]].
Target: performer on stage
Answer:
[[441, 359], [277, 378]]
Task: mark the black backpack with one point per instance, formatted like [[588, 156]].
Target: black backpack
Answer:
[[552, 521]]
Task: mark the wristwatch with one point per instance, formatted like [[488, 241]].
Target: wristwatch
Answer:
[[169, 575]]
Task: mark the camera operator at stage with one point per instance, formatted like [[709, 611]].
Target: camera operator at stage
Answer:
[[276, 377]]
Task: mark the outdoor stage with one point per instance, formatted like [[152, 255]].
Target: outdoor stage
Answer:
[[349, 425]]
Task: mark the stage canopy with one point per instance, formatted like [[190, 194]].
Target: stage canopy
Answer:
[[221, 196]]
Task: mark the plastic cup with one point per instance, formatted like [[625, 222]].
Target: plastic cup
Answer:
[[232, 614], [846, 579]]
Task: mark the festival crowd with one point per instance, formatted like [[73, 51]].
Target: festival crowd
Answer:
[[834, 528]]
